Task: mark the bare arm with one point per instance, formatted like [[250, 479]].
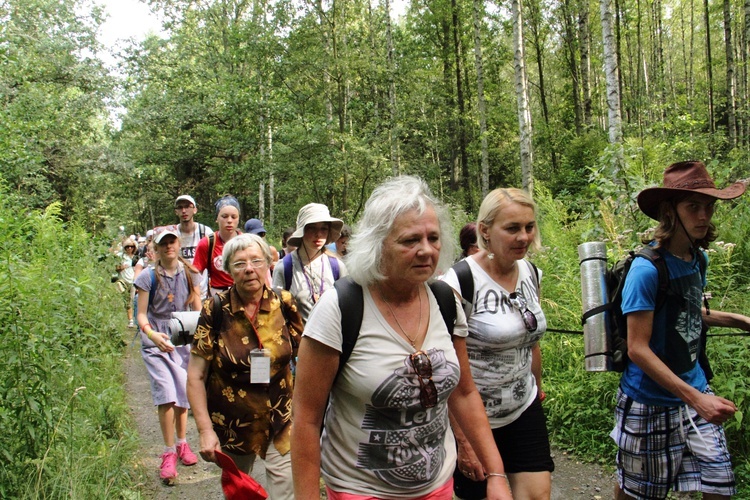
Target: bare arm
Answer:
[[316, 368], [536, 370], [161, 340], [726, 319], [196, 391], [467, 409], [715, 409]]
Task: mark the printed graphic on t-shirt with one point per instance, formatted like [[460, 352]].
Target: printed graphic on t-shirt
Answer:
[[406, 441], [683, 312]]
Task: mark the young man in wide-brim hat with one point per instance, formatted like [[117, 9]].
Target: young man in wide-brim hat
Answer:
[[667, 419]]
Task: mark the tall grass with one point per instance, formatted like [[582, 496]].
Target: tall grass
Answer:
[[580, 404], [64, 428]]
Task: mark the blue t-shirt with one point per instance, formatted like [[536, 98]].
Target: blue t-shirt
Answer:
[[675, 337]]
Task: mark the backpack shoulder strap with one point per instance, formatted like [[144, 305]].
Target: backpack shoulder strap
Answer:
[[657, 259], [446, 302], [465, 280], [210, 258], [201, 231], [152, 273], [352, 305], [288, 267], [535, 275], [217, 315], [334, 267]]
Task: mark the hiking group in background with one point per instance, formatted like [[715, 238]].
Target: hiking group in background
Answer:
[[384, 358]]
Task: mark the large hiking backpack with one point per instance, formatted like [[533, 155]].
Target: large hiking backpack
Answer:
[[616, 321]]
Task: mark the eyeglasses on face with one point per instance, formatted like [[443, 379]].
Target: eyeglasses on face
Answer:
[[242, 265], [129, 246], [428, 395], [518, 301]]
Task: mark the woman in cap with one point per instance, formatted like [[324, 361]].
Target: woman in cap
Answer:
[[666, 415], [311, 269], [240, 377], [172, 285], [228, 220]]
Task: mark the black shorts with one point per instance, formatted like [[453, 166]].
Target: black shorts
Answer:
[[524, 446]]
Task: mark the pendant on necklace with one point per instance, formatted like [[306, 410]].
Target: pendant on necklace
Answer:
[[170, 297]]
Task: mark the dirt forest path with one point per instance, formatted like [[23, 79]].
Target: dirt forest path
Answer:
[[571, 480]]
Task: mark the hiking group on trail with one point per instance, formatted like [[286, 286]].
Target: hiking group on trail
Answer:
[[375, 360]]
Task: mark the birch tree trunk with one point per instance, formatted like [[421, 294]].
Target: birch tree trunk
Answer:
[[569, 37], [709, 69], [745, 106], [731, 85], [393, 111], [585, 38], [481, 105], [611, 71], [522, 97]]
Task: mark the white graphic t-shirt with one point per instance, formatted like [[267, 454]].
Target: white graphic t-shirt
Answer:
[[499, 344], [378, 440], [189, 241]]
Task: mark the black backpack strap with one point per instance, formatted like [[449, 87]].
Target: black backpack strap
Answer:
[[465, 280], [657, 259], [211, 245], [352, 307], [446, 300], [535, 275]]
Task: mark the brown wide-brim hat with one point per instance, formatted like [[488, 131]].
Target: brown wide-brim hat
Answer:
[[311, 214], [685, 177]]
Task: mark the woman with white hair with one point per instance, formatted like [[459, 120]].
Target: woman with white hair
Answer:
[[311, 270], [240, 373], [387, 432]]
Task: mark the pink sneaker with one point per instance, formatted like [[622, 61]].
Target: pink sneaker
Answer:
[[187, 457], [168, 469]]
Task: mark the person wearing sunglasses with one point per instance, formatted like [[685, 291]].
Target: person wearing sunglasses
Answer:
[[125, 277], [240, 371], [506, 322], [386, 431]]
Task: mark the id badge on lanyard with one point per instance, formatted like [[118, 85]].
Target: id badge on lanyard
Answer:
[[260, 366]]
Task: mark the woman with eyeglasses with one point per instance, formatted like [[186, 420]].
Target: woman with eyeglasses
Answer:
[[240, 371], [384, 408], [501, 298]]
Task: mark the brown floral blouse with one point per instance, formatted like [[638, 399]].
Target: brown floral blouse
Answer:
[[247, 416]]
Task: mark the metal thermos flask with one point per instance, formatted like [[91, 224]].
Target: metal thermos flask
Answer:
[[593, 261]]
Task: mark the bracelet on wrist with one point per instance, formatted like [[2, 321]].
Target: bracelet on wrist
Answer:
[[496, 474]]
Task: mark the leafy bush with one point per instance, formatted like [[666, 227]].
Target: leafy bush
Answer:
[[64, 430]]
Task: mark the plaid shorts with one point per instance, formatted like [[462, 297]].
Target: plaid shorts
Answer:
[[663, 448]]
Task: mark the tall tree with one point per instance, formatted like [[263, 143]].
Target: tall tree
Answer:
[[709, 68], [477, 15], [522, 98], [611, 70], [731, 83]]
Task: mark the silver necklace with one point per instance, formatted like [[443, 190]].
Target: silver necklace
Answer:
[[412, 341]]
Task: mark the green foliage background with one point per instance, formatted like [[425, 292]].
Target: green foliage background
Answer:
[[65, 431], [242, 97]]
